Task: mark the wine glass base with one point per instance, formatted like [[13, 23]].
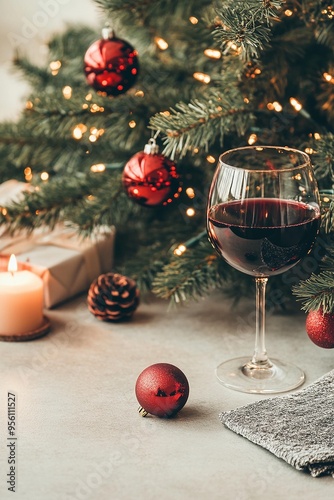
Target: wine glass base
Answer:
[[241, 375]]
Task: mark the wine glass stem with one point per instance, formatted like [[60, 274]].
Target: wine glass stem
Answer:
[[260, 357]]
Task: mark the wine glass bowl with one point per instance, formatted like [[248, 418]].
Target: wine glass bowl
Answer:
[[263, 216]]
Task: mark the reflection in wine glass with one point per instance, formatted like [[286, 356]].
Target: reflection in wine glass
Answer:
[[263, 216]]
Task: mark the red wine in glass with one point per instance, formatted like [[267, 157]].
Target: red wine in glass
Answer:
[[263, 236]]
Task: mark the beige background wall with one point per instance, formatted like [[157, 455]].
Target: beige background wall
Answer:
[[27, 25]]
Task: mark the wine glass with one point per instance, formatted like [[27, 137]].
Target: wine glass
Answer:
[[263, 216]]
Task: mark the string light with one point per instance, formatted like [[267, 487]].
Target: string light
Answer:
[[202, 77], [78, 131], [180, 250], [252, 139], [88, 97], [139, 93], [161, 43], [67, 92], [92, 138], [27, 174], [94, 108], [295, 104], [328, 77], [193, 20], [4, 211], [288, 12], [98, 167], [85, 106], [211, 159], [213, 53], [55, 67], [309, 151], [44, 176], [190, 212], [274, 106], [132, 124], [29, 105], [246, 100], [317, 136], [165, 113], [190, 192]]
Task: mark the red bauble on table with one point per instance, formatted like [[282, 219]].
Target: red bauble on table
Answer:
[[111, 64], [162, 389], [320, 328], [151, 179]]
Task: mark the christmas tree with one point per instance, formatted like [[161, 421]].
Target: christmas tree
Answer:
[[213, 75]]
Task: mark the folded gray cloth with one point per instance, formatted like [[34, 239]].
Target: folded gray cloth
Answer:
[[298, 428]]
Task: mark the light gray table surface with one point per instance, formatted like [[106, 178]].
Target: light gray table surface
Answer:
[[79, 435]]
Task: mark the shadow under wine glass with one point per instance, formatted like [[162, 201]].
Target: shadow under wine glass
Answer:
[[263, 216]]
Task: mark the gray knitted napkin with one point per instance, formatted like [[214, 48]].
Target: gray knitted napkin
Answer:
[[299, 428]]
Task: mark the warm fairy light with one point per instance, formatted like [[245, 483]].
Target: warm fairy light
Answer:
[[27, 174], [85, 106], [257, 71], [317, 136], [55, 67], [165, 113], [213, 53], [98, 167], [234, 47], [211, 159], [202, 77], [196, 150], [326, 199], [4, 211], [328, 77], [92, 138], [288, 12], [190, 212], [193, 20], [190, 192], [252, 139], [95, 108], [29, 105], [161, 43], [132, 124], [79, 130], [67, 92], [295, 104], [88, 97], [246, 100], [309, 151], [12, 264], [139, 93], [93, 130], [274, 106], [100, 131], [44, 176], [180, 250]]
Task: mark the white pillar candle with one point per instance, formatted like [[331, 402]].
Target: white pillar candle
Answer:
[[21, 300]]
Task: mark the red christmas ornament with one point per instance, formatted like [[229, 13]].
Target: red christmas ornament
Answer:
[[320, 328], [151, 179], [162, 390], [111, 64]]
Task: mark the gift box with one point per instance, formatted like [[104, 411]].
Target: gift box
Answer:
[[66, 262]]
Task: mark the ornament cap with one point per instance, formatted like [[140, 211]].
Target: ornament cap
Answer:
[[151, 148], [107, 32], [142, 412]]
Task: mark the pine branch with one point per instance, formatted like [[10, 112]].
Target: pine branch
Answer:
[[247, 25], [189, 276], [197, 124], [317, 292], [323, 157]]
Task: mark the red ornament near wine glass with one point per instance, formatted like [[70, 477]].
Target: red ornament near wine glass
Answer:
[[263, 216]]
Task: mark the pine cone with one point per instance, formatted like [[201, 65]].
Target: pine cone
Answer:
[[113, 297]]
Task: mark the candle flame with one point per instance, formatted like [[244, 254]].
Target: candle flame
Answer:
[[12, 264]]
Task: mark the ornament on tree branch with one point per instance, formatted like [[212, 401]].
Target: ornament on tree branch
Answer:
[[162, 390], [111, 64], [320, 328], [113, 297], [151, 179]]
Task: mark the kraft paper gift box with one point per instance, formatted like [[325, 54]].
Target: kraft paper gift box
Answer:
[[66, 262]]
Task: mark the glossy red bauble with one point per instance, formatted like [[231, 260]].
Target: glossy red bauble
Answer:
[[111, 66], [151, 179], [320, 328], [162, 390]]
